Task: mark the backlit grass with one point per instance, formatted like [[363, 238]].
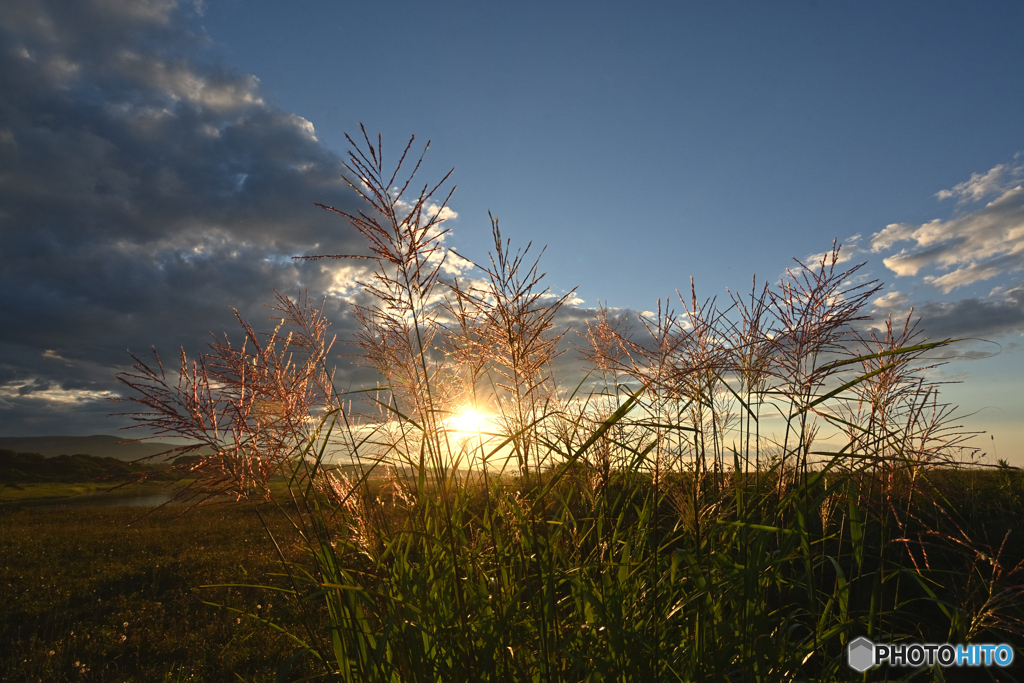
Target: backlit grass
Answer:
[[728, 491]]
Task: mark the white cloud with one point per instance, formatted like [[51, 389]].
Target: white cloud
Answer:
[[451, 263], [889, 301], [12, 390], [970, 247], [455, 264], [848, 249], [431, 212], [963, 276], [181, 82], [893, 233], [904, 263], [344, 277], [982, 185], [305, 127], [978, 187]]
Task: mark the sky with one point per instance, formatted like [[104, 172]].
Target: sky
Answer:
[[160, 162]]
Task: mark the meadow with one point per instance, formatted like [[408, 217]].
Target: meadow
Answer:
[[727, 491], [116, 594], [97, 594]]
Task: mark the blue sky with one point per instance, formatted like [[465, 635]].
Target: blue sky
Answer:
[[156, 145], [727, 137]]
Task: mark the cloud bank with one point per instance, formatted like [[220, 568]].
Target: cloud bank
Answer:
[[970, 247], [961, 270], [143, 194]]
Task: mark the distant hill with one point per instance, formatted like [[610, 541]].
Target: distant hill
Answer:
[[99, 445], [32, 468]]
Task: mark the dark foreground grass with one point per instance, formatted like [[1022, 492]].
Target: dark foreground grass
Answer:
[[100, 595], [89, 594]]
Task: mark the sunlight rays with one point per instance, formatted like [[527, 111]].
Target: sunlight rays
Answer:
[[468, 421]]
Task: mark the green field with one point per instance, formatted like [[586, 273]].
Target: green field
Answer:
[[99, 594], [31, 476]]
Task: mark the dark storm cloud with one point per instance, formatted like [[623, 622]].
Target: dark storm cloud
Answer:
[[143, 194], [982, 318]]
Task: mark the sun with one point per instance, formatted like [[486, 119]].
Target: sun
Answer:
[[469, 420]]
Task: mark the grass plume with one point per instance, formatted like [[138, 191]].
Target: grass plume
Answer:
[[733, 492]]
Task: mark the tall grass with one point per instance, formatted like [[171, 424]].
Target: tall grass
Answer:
[[732, 492]]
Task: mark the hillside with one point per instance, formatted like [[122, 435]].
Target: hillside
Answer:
[[99, 445], [32, 468]]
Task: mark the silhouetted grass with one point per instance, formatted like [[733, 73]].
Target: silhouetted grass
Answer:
[[733, 492]]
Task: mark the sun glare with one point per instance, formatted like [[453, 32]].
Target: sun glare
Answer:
[[470, 421]]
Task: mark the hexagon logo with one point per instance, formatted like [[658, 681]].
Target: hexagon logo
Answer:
[[860, 654]]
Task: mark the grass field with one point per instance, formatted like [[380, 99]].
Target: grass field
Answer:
[[30, 476], [100, 595], [95, 594]]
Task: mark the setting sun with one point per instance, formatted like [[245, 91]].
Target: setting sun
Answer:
[[470, 421]]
